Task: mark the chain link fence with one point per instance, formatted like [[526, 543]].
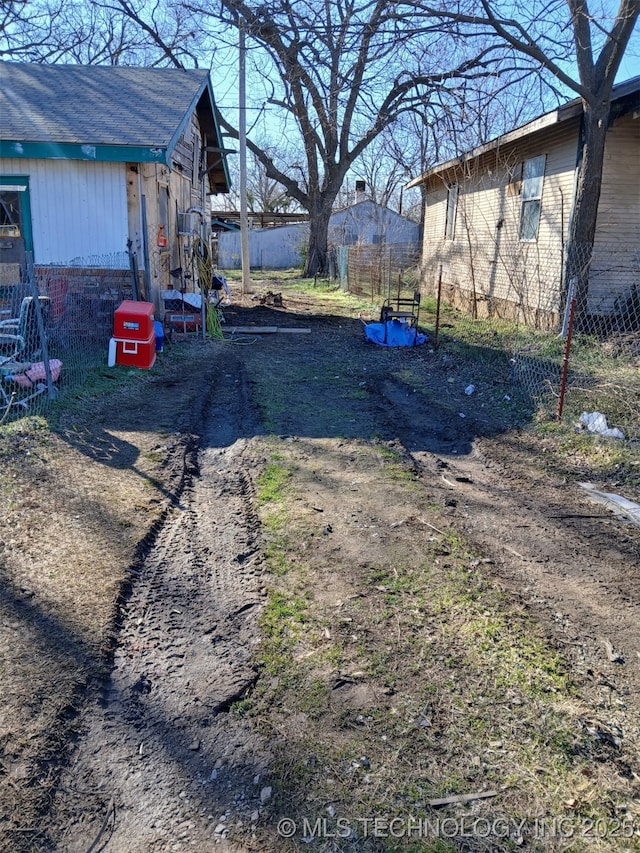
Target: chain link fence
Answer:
[[570, 322], [563, 325], [55, 328]]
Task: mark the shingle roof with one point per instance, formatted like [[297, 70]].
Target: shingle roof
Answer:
[[624, 96], [96, 105]]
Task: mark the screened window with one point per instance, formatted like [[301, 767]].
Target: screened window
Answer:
[[9, 212], [532, 181], [452, 206]]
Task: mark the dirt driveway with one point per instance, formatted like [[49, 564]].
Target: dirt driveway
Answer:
[[345, 593]]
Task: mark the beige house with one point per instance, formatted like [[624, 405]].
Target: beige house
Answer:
[[496, 219]]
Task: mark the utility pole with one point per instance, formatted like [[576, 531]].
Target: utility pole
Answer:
[[242, 133]]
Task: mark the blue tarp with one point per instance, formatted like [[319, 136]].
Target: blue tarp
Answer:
[[397, 334]]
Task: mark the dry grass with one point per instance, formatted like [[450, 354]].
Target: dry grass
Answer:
[[395, 672]]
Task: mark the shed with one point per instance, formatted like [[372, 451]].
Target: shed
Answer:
[[106, 169]]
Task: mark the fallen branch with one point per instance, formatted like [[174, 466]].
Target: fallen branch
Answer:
[[432, 526]]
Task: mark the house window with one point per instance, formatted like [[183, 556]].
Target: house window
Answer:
[[532, 180], [10, 212], [16, 236], [452, 206]]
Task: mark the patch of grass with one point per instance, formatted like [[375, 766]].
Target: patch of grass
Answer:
[[587, 456], [276, 550], [314, 698], [355, 394], [282, 615], [341, 301], [463, 691], [396, 467], [272, 482]]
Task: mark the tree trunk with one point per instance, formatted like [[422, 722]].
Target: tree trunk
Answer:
[[317, 257], [582, 229]]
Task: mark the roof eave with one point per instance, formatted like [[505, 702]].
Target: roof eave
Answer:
[[204, 88], [186, 118], [90, 152], [571, 109], [225, 165], [547, 120]]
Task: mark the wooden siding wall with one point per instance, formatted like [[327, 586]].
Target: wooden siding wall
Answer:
[[78, 209], [194, 192], [183, 193], [490, 268], [486, 263], [616, 259]]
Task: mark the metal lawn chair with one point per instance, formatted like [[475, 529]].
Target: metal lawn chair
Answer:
[[21, 345]]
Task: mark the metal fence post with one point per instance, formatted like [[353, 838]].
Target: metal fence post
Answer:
[[565, 359], [437, 325], [31, 276]]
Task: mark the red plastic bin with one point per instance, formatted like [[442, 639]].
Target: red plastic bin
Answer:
[[136, 353], [133, 321], [134, 334]]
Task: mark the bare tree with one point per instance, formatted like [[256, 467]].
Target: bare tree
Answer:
[[339, 74], [113, 32], [264, 195], [334, 76], [457, 122], [170, 33], [23, 29], [548, 36]]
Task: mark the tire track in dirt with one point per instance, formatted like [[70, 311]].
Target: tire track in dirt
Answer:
[[160, 766]]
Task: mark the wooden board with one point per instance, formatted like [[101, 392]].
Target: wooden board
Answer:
[[265, 330]]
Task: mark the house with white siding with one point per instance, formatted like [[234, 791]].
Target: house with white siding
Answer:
[[284, 246], [366, 222], [106, 169], [497, 219]]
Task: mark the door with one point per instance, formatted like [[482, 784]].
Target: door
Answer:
[[15, 227]]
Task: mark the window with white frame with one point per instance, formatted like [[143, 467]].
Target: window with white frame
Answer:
[[531, 204], [452, 206]]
